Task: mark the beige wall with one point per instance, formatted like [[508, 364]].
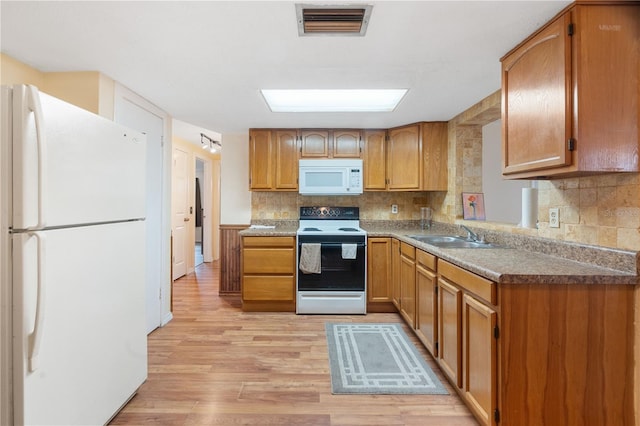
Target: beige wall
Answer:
[[235, 198], [89, 90], [15, 72]]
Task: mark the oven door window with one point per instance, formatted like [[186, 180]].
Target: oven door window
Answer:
[[337, 274]]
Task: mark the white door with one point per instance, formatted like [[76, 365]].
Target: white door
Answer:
[[180, 206], [137, 117]]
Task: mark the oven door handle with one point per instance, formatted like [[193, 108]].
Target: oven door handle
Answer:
[[334, 244]]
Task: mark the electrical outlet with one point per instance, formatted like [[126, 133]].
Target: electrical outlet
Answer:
[[394, 208], [554, 217]]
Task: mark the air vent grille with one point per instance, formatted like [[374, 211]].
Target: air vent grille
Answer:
[[332, 20]]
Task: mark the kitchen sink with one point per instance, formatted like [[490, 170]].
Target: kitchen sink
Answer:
[[450, 241]]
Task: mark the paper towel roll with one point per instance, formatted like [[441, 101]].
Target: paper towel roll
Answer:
[[529, 208]]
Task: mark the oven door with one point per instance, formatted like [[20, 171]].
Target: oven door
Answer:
[[337, 273]]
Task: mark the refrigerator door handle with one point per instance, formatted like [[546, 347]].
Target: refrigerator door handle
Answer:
[[33, 104], [29, 101], [35, 338]]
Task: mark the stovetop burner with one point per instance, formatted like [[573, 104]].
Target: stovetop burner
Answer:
[[330, 221]]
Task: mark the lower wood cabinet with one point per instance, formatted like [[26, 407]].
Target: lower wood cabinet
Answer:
[[539, 354], [268, 273], [426, 301], [449, 330], [467, 340], [408, 283], [479, 362], [379, 275], [395, 273]]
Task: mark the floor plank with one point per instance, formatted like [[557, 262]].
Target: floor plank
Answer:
[[216, 365]]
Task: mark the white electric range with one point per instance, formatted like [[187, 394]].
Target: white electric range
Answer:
[[331, 261]]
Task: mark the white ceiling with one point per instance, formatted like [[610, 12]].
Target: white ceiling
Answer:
[[204, 62]]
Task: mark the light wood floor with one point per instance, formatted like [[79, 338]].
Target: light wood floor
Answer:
[[216, 365]]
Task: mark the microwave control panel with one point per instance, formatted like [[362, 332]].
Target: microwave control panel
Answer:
[[354, 178]]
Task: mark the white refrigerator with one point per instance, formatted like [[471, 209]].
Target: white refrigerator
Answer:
[[72, 320]]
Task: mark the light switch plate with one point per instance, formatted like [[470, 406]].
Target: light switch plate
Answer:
[[554, 217]]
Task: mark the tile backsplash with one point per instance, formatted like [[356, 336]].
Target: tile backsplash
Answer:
[[373, 205]]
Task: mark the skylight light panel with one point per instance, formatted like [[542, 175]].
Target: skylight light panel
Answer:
[[335, 100]]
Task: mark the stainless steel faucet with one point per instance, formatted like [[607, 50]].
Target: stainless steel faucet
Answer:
[[472, 236]]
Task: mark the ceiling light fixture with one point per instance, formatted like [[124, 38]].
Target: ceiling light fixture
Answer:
[[334, 100], [209, 144]]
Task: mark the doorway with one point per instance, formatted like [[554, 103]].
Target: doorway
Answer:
[[199, 211]]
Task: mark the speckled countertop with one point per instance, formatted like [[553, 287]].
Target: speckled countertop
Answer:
[[518, 260]]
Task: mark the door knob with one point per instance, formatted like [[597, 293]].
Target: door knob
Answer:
[[186, 219]]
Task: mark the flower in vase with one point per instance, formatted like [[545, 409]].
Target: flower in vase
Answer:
[[472, 203]]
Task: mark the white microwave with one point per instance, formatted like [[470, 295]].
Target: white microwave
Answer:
[[330, 177]]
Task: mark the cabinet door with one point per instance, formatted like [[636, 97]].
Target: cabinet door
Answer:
[[404, 158], [379, 270], [427, 308], [346, 144], [536, 99], [395, 271], [450, 333], [314, 144], [374, 160], [260, 159], [408, 284], [435, 146], [479, 358], [286, 144]]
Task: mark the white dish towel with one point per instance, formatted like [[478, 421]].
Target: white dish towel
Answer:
[[349, 251], [310, 258]]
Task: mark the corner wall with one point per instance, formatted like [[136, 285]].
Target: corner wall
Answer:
[[602, 210]]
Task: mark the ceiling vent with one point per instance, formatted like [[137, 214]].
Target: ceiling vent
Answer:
[[336, 20]]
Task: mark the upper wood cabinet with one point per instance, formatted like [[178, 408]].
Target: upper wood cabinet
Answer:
[[435, 147], [570, 95], [286, 159], [408, 158], [338, 143], [404, 158], [314, 144], [261, 159], [374, 155], [347, 143], [273, 160]]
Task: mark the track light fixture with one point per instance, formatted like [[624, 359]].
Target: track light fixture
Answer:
[[207, 143]]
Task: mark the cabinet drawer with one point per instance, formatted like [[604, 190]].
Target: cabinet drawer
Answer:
[[408, 250], [481, 287], [268, 241], [268, 261], [264, 287], [426, 260]]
